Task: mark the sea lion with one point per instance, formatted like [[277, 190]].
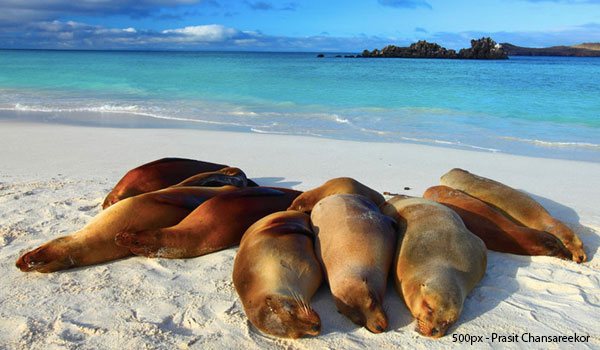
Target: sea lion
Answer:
[[516, 205], [355, 244], [217, 224], [276, 273], [95, 243], [160, 174], [341, 185], [438, 262], [497, 231]]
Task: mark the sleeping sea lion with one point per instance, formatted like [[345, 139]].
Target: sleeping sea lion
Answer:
[[276, 273], [217, 224], [497, 231], [355, 244], [95, 243], [438, 262], [517, 205], [159, 174], [341, 185]]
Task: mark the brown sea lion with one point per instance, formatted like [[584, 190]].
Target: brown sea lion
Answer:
[[159, 174], [517, 205], [95, 243], [276, 273], [217, 224], [355, 243], [341, 185], [438, 262], [497, 231]]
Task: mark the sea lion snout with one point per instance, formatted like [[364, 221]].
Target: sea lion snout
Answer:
[[578, 254], [377, 321], [435, 313], [365, 311], [289, 318]]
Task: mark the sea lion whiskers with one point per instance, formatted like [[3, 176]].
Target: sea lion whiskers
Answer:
[[298, 298]]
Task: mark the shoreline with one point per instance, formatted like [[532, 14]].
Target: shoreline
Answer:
[[54, 178], [130, 119]]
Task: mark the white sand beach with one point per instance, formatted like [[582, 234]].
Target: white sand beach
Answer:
[[53, 179]]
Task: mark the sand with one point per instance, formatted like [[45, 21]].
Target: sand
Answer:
[[53, 179]]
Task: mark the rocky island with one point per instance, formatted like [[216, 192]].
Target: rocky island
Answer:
[[582, 50], [482, 49]]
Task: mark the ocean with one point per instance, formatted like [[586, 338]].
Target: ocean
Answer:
[[533, 106]]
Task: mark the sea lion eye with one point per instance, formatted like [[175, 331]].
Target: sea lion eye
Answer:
[[428, 308]]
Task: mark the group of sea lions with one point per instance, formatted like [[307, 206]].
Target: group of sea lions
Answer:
[[342, 231]]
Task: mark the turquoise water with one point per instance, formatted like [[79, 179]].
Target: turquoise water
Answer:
[[540, 106]]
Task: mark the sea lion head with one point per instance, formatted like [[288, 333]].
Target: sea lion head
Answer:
[[362, 306], [574, 246], [436, 306], [303, 203], [287, 317]]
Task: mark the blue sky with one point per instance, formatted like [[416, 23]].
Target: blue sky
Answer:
[[275, 25]]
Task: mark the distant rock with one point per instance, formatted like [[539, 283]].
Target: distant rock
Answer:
[[420, 49], [582, 50], [320, 55], [484, 48]]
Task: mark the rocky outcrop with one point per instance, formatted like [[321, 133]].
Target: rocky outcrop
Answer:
[[484, 48], [583, 50], [420, 49]]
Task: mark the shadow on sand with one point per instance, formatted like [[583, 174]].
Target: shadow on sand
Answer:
[[275, 182]]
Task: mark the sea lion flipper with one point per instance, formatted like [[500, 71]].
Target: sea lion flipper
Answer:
[[49, 257]]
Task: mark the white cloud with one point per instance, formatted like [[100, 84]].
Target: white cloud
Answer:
[[204, 33]]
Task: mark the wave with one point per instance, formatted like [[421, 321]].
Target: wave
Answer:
[[304, 133], [450, 143], [554, 144], [116, 109], [340, 120]]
